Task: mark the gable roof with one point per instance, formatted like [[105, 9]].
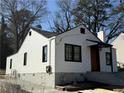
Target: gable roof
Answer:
[[45, 33], [49, 34]]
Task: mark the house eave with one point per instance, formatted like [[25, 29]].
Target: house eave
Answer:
[[100, 44]]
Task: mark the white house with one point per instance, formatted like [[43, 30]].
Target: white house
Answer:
[[118, 44], [55, 59]]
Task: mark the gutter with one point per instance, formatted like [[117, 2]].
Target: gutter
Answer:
[[50, 50]]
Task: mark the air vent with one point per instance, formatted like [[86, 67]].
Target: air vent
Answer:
[[82, 30], [48, 69]]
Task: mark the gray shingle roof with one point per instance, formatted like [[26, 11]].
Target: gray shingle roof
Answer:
[[45, 33]]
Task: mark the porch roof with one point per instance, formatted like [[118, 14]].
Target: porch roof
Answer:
[[97, 43]]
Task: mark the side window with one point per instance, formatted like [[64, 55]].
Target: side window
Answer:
[[30, 33], [25, 59], [44, 54], [108, 58], [10, 64]]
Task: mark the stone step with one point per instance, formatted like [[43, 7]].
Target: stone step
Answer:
[[98, 91]]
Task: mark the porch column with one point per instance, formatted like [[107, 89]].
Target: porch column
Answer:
[[111, 58]]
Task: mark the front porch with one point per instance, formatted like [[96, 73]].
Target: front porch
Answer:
[[103, 57], [93, 80]]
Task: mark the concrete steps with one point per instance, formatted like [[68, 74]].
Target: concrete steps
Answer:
[[106, 78]]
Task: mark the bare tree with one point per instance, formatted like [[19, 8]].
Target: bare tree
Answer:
[[5, 42], [63, 18], [21, 14], [116, 22], [92, 13]]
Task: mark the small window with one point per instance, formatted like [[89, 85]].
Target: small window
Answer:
[[30, 33], [82, 30], [10, 63], [108, 58], [72, 53], [25, 59], [44, 54]]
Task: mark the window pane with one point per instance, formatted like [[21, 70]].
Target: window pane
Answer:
[[44, 54], [108, 58], [68, 52], [77, 53]]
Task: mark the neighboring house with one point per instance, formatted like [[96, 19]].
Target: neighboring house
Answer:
[[55, 59], [118, 44]]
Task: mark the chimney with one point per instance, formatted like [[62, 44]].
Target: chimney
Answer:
[[101, 35], [39, 27]]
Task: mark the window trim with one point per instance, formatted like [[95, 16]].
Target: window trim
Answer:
[[25, 59], [107, 59], [43, 56], [73, 60]]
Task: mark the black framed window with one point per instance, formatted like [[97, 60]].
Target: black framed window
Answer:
[[72, 53], [44, 54], [108, 58], [25, 59], [10, 63]]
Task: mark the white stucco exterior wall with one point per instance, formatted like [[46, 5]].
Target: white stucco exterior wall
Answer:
[[118, 44], [33, 46], [114, 60], [76, 38], [14, 61], [104, 67]]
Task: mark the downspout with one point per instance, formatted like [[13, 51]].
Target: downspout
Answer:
[[50, 50], [111, 58]]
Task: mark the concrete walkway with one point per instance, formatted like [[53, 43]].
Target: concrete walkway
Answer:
[[98, 91]]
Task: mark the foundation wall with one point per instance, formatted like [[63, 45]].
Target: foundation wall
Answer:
[[68, 78]]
